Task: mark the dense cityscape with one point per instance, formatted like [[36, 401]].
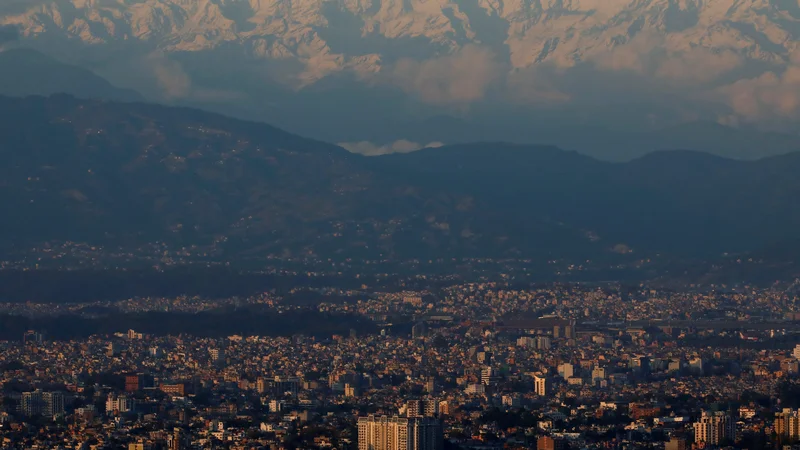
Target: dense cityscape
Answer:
[[468, 365]]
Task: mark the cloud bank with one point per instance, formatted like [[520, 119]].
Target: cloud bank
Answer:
[[460, 78], [773, 95], [367, 148], [723, 83]]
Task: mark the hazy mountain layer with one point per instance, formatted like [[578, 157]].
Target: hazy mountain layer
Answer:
[[126, 175]]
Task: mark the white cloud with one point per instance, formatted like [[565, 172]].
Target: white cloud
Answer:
[[170, 76], [175, 82], [770, 96], [460, 78], [401, 146]]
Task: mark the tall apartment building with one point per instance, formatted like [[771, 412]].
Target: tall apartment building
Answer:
[[38, 403], [217, 356], [541, 385], [714, 428], [422, 408], [291, 386], [489, 376], [262, 385], [137, 381], [550, 443], [569, 330], [351, 391], [566, 370], [178, 440], [53, 404], [543, 342], [676, 443], [119, 404], [399, 433], [787, 423], [526, 342]]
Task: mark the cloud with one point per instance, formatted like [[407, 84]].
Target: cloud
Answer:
[[401, 146], [649, 54], [665, 84], [170, 76], [698, 66], [772, 96], [460, 78], [176, 84]]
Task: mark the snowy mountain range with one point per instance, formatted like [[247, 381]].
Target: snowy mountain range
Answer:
[[648, 62]]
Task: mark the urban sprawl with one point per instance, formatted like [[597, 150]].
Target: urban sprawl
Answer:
[[483, 366]]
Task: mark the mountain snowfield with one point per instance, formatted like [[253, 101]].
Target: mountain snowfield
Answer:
[[335, 34], [732, 60]]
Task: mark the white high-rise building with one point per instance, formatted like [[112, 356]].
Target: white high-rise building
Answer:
[[119, 404], [566, 370], [399, 433], [541, 385], [796, 352], [714, 428], [488, 376]]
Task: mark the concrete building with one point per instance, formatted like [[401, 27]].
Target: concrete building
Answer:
[[422, 408], [566, 370], [119, 404], [38, 403], [676, 444], [419, 330], [787, 423], [399, 433], [541, 385], [550, 443], [714, 428]]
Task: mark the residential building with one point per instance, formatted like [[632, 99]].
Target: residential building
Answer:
[[550, 443], [714, 428], [399, 433], [787, 423], [541, 385]]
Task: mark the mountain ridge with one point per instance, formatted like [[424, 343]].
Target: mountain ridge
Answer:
[[130, 174], [29, 72]]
